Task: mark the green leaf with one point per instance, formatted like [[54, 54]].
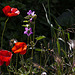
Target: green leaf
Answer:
[[38, 49], [65, 54], [25, 21], [25, 25], [28, 17], [73, 70], [58, 46], [40, 37], [68, 36]]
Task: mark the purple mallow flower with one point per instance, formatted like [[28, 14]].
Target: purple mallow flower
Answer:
[[31, 19], [31, 13], [28, 31]]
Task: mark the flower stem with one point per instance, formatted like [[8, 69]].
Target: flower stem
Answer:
[[40, 63], [31, 66], [3, 32], [34, 32], [16, 60], [28, 42], [73, 58], [0, 69]]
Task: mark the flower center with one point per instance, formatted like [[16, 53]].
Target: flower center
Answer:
[[28, 31]]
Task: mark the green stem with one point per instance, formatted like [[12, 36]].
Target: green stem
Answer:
[[0, 69], [32, 44], [3, 32], [34, 32], [33, 38], [32, 52], [31, 67], [40, 63], [47, 60], [16, 60], [51, 28], [73, 57], [28, 42], [22, 61]]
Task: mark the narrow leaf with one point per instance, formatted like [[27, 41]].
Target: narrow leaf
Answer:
[[58, 46]]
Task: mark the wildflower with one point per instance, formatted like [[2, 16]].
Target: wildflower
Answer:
[[31, 19], [20, 47], [28, 31], [5, 56], [31, 13], [27, 25], [9, 11]]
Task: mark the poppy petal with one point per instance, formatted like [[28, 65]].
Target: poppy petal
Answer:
[[5, 56], [23, 52], [25, 47], [20, 47], [7, 63], [1, 63], [6, 9], [19, 50], [14, 48], [13, 10], [19, 44], [5, 53], [12, 14]]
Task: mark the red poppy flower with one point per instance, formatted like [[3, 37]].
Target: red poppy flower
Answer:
[[8, 11], [5, 56], [20, 47]]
